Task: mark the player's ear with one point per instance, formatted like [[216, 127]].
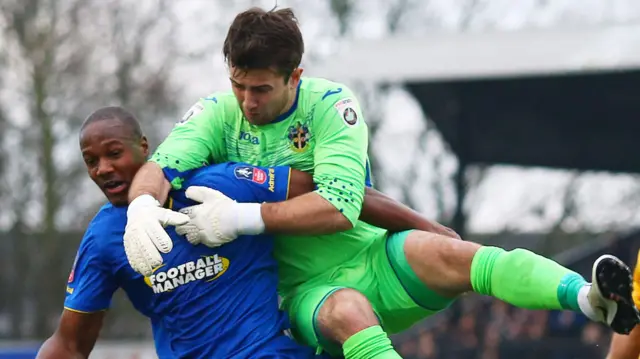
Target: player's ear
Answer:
[[144, 144], [294, 79]]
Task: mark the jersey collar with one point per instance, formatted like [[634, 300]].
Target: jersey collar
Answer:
[[293, 107]]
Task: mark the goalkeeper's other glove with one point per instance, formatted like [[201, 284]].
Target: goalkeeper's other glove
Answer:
[[218, 219], [145, 237]]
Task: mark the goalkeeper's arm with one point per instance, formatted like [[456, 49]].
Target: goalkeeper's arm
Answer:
[[150, 180], [378, 209]]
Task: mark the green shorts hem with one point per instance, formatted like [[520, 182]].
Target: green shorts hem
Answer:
[[328, 345], [303, 309], [324, 343], [413, 286]]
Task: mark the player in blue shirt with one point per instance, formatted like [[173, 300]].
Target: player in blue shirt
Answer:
[[202, 302]]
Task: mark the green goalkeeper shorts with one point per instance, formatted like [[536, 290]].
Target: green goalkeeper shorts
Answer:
[[383, 275]]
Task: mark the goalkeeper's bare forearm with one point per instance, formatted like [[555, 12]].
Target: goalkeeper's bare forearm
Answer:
[[378, 209], [150, 180]]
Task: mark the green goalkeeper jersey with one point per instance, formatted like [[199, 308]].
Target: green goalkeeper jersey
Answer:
[[323, 133]]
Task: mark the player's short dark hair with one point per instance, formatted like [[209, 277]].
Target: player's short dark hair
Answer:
[[259, 39], [115, 113]]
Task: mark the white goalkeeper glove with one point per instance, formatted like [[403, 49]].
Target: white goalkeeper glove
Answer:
[[218, 219], [144, 235]]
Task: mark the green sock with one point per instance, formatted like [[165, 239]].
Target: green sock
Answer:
[[525, 279], [370, 343]]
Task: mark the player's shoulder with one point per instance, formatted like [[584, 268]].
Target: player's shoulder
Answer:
[[107, 225], [109, 214], [220, 104], [205, 173], [240, 181], [220, 98], [224, 176], [316, 89], [221, 177], [330, 97]]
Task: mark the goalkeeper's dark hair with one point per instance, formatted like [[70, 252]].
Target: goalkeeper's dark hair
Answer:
[[115, 113], [260, 39]]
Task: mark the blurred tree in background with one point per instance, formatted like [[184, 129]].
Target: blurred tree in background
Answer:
[[61, 60]]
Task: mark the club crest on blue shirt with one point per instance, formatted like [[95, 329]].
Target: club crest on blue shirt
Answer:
[[251, 174], [298, 136]]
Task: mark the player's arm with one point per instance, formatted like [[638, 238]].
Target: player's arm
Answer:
[[378, 209], [90, 287], [340, 153], [625, 346], [383, 211], [194, 141], [74, 338]]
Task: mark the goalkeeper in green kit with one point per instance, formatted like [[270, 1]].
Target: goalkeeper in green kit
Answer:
[[344, 283]]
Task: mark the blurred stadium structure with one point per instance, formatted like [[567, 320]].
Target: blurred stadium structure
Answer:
[[537, 98], [550, 98]]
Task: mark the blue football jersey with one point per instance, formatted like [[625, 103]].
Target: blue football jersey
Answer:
[[202, 302]]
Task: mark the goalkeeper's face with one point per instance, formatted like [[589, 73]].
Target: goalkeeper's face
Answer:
[[264, 94], [113, 155]]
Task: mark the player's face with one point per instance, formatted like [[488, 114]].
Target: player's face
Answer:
[[263, 95], [112, 157]]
